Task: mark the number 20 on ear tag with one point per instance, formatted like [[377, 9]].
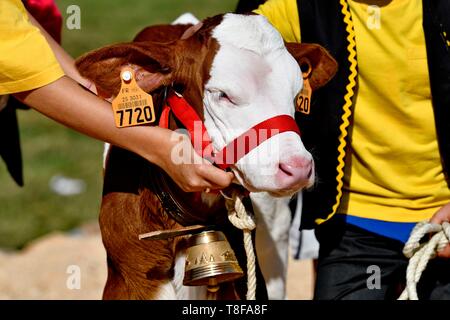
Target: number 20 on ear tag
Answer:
[[303, 100], [132, 106]]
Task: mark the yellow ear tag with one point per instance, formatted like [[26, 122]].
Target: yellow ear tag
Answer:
[[132, 106], [303, 100]]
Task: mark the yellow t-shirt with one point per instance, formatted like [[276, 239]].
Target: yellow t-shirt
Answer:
[[393, 168], [26, 60]]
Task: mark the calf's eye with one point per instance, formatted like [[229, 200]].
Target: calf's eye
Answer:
[[220, 96], [223, 95]]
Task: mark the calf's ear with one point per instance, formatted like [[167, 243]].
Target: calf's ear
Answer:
[[316, 60], [153, 62], [162, 33]]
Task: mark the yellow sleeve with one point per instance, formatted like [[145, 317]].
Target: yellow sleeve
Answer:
[[26, 59], [283, 15]]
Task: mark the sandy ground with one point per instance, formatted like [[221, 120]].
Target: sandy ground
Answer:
[[45, 268]]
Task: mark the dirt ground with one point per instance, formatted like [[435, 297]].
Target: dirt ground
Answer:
[[43, 269]]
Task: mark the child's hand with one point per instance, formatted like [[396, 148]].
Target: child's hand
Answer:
[[190, 171], [442, 215]]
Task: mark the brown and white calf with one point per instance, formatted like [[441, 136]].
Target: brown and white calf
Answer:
[[236, 71]]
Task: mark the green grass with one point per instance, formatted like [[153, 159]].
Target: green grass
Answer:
[[108, 21], [49, 148]]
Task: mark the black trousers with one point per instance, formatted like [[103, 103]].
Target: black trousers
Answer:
[[350, 259]]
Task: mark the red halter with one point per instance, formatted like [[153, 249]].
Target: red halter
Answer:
[[237, 148]]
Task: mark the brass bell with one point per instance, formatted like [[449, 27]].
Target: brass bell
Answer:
[[210, 260]]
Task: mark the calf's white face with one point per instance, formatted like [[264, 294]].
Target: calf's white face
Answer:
[[253, 78]]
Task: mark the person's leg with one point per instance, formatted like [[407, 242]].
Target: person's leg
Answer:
[[357, 264]]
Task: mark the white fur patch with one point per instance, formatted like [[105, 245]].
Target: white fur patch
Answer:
[[166, 292], [106, 148], [252, 33], [186, 18], [185, 292], [174, 289], [272, 241]]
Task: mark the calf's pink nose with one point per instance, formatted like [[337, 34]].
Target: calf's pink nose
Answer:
[[295, 172]]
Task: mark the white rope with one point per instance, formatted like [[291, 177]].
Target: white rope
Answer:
[[421, 254], [238, 216]]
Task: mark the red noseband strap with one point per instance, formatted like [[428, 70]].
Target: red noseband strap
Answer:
[[253, 137], [237, 148]]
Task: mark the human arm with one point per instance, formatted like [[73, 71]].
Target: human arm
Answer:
[[67, 103]]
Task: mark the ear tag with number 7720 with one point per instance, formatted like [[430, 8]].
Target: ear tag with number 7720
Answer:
[[132, 106]]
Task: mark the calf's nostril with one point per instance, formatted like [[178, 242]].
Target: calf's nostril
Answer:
[[286, 169], [310, 173]]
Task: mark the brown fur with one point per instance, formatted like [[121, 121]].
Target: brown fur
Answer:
[[323, 65], [162, 33]]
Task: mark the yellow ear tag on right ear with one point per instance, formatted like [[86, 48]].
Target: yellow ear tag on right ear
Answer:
[[132, 106], [303, 100]]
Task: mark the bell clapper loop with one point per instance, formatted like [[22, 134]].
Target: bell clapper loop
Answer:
[[212, 289]]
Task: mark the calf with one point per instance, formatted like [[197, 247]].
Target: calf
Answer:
[[235, 71]]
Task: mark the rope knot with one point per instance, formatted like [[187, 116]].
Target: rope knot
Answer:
[[241, 219], [421, 253], [238, 215]]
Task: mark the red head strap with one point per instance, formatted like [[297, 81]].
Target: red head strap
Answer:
[[237, 148]]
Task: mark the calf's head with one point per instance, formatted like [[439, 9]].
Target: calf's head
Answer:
[[236, 71]]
